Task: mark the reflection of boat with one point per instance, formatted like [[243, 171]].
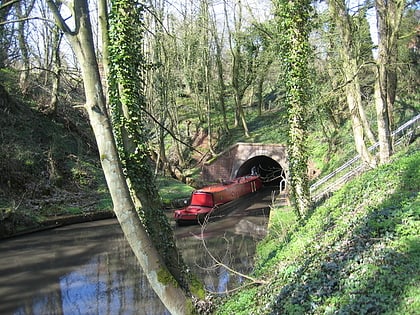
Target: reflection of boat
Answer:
[[207, 199]]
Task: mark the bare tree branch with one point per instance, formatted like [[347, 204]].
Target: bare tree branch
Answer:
[[7, 4], [170, 132], [218, 263], [61, 23], [27, 19]]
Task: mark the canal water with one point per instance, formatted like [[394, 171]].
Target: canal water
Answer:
[[89, 268]]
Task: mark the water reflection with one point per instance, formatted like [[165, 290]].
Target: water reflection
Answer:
[[207, 257], [90, 269]]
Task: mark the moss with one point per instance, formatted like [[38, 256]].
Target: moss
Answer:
[[190, 308], [165, 277], [197, 288]]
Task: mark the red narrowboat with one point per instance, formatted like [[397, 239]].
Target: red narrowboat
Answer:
[[205, 200]]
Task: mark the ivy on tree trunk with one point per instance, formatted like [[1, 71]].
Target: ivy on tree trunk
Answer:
[[159, 275], [293, 22], [126, 92]]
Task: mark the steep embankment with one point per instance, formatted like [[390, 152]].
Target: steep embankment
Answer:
[[48, 165], [358, 253]]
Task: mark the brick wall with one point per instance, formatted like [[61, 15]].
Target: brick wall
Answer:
[[228, 162], [220, 168]]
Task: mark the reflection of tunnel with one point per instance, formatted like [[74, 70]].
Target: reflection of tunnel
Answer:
[[270, 171]]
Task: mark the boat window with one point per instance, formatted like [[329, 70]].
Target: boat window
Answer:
[[202, 199]]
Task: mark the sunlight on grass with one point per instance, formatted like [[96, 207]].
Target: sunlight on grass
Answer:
[[358, 253], [171, 189]]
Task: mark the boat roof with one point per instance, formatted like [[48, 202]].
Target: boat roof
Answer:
[[224, 185]]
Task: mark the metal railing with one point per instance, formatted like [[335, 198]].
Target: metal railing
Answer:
[[355, 166]]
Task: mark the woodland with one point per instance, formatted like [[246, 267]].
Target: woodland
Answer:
[[108, 101]]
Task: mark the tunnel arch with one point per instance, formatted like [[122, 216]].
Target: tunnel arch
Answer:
[[270, 170], [240, 158]]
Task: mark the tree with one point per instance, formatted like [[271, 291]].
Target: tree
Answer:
[[409, 64], [5, 32], [242, 62], [127, 106], [204, 19], [389, 15], [55, 71], [294, 26], [161, 280], [23, 9], [349, 51], [163, 87], [261, 35], [221, 91]]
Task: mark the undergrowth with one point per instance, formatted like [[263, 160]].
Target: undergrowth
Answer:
[[358, 253]]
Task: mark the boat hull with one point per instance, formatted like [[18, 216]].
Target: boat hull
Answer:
[[206, 200]]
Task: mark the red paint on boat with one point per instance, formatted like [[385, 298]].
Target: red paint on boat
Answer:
[[205, 200]]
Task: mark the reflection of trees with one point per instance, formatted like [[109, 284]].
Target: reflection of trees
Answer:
[[49, 303], [106, 280], [235, 251], [92, 270], [106, 286]]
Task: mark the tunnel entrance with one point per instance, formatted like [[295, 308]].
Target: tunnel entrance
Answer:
[[270, 171]]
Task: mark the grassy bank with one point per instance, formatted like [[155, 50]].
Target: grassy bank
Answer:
[[358, 253]]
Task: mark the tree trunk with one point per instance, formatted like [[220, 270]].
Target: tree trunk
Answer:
[[240, 78], [127, 103], [389, 14], [219, 69], [22, 15], [161, 280], [294, 55], [222, 85], [239, 91], [365, 122], [349, 54], [103, 30], [259, 93], [6, 7], [56, 71], [352, 95]]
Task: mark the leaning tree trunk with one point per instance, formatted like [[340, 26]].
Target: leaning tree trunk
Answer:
[[127, 104], [160, 279]]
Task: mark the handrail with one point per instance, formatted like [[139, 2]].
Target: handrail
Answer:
[[357, 169]]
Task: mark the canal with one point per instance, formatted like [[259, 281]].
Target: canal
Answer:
[[89, 268]]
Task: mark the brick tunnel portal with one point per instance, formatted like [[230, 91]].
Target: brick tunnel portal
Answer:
[[270, 170]]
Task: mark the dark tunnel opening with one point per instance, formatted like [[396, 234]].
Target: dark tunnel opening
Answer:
[[270, 171]]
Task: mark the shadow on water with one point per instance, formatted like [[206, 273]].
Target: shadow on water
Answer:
[[89, 268], [81, 269]]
